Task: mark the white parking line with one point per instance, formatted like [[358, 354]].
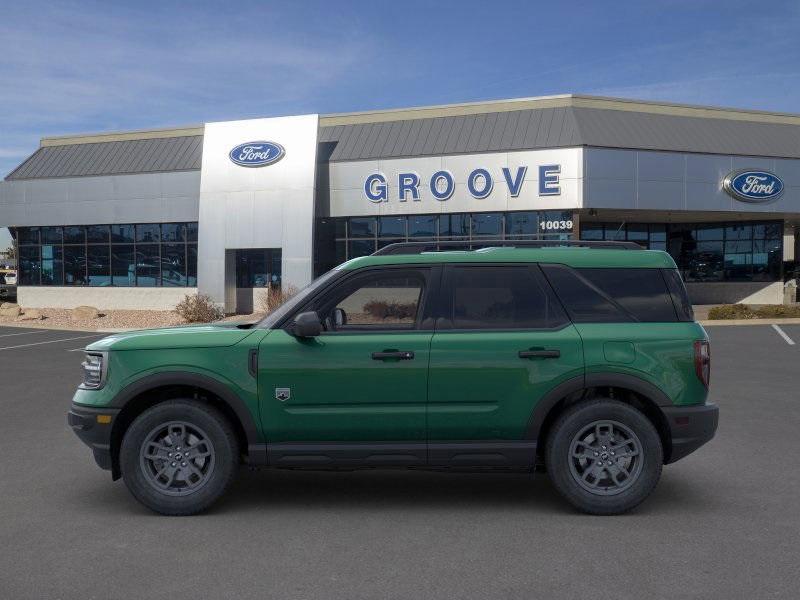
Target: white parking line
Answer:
[[83, 337], [23, 333], [782, 333]]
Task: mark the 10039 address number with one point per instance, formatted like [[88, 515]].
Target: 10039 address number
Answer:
[[556, 225]]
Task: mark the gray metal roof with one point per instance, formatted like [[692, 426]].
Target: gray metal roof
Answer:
[[182, 153], [524, 124], [560, 127], [489, 132], [648, 131]]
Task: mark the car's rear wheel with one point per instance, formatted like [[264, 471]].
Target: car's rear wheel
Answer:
[[604, 456], [179, 457]]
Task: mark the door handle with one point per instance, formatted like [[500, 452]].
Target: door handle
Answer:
[[252, 362], [393, 354], [539, 353]]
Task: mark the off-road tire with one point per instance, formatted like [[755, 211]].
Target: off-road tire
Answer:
[[565, 470], [200, 421]]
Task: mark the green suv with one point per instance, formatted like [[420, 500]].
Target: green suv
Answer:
[[581, 359]]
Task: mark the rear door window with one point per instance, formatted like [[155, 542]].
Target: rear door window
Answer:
[[500, 297], [612, 295]]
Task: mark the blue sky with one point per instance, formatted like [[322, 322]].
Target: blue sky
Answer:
[[74, 67]]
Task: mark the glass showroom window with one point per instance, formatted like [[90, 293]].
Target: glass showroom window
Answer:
[[650, 235], [144, 255], [740, 251], [360, 236]]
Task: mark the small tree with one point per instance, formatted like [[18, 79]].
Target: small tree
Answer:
[[198, 308], [10, 252]]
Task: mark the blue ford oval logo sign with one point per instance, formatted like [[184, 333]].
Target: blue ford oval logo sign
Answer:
[[753, 186], [257, 154]]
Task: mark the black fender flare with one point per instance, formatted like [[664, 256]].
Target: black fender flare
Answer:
[[234, 402], [591, 380], [548, 401], [631, 382]]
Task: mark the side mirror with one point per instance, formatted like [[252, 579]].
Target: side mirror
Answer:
[[307, 325]]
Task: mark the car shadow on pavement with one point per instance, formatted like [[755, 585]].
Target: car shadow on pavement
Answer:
[[401, 489], [391, 490]]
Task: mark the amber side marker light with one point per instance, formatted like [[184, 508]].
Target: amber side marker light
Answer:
[[104, 419]]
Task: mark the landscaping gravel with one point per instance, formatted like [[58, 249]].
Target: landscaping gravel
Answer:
[[59, 318]]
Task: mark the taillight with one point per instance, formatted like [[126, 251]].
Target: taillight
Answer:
[[702, 361]]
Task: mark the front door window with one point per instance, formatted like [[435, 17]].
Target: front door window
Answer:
[[378, 302]]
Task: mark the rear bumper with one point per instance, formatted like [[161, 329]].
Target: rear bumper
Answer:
[[83, 421], [690, 427]]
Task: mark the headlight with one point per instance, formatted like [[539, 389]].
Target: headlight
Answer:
[[94, 370]]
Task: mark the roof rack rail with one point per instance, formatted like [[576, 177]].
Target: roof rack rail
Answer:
[[445, 245]]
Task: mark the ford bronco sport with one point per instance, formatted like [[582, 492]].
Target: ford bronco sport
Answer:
[[582, 359]]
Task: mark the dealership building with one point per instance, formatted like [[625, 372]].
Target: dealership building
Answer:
[[139, 219]]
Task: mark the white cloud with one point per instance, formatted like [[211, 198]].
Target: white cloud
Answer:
[[72, 68]]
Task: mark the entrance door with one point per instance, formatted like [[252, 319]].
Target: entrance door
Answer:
[[502, 342], [257, 270], [358, 391]]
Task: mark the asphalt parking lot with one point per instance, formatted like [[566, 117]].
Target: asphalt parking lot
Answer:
[[723, 523]]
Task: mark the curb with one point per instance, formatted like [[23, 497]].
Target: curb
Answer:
[[42, 324]]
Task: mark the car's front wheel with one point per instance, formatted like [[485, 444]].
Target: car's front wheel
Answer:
[[604, 456], [179, 457]]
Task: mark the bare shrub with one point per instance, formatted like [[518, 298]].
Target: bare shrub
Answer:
[[731, 311], [390, 310], [198, 308], [750, 311], [272, 297], [769, 311]]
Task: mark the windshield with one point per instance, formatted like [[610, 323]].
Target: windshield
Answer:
[[297, 300]]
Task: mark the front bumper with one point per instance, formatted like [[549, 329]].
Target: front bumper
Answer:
[[93, 431], [690, 427]]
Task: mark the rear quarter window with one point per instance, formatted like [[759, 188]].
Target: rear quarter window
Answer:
[[683, 306], [612, 295]]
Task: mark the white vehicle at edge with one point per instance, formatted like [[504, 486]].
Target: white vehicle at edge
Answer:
[[8, 283]]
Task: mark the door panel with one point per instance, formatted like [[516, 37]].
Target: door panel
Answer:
[[365, 379], [338, 392], [502, 342], [480, 389]]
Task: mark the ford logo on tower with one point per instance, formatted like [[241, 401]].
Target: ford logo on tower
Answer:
[[753, 186], [257, 154]]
